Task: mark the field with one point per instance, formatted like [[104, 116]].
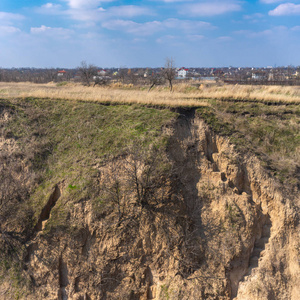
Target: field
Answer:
[[183, 94]]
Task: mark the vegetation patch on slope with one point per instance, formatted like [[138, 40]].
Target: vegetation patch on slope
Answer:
[[269, 131], [49, 142]]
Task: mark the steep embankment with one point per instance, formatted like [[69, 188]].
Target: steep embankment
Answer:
[[248, 222], [177, 214]]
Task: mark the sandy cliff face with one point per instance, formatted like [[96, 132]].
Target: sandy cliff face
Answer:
[[258, 246], [211, 225]]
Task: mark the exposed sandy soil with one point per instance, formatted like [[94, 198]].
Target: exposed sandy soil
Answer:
[[197, 221]]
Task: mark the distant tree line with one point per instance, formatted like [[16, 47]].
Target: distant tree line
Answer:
[[89, 74], [34, 75], [92, 75]]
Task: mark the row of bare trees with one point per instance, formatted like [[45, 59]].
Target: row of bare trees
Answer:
[[88, 74]]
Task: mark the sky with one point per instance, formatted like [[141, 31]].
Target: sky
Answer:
[[128, 33]]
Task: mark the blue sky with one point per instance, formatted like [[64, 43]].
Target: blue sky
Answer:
[[108, 33]]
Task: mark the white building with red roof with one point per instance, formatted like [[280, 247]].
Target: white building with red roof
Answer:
[[61, 73], [182, 72], [102, 72]]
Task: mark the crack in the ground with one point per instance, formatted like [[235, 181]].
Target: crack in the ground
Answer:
[[32, 244]]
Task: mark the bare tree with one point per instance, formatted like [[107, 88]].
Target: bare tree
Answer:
[[87, 72], [169, 71], [101, 80], [132, 77], [147, 173], [122, 73], [155, 79], [113, 190]]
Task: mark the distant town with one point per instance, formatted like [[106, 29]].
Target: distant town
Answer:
[[268, 75]]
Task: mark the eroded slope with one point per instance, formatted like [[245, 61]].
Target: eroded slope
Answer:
[[177, 214]]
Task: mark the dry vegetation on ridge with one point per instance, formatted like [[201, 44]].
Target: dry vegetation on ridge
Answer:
[[183, 94], [264, 119]]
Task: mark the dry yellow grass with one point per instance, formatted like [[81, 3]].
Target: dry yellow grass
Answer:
[[183, 94], [97, 94], [287, 94]]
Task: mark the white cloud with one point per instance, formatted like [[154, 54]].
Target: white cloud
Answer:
[[147, 28], [210, 8], [281, 28], [126, 11], [276, 33], [150, 28], [79, 4], [254, 34], [172, 1], [139, 40], [49, 9], [7, 30], [85, 15], [271, 1], [170, 40], [253, 16], [91, 36], [263, 33], [51, 6], [195, 37], [52, 31], [8, 18], [84, 26], [187, 25], [224, 38], [85, 4], [129, 11], [286, 9]]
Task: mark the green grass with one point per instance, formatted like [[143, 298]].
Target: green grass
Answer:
[[272, 132], [63, 140], [11, 270], [211, 118], [164, 291], [63, 83]]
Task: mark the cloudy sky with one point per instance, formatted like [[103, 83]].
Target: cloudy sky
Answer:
[[112, 33]]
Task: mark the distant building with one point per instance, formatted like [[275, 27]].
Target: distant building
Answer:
[[218, 73], [182, 72], [61, 73], [271, 76], [257, 76], [101, 77], [148, 73], [101, 72]]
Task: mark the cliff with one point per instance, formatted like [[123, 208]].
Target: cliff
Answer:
[[130, 202]]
